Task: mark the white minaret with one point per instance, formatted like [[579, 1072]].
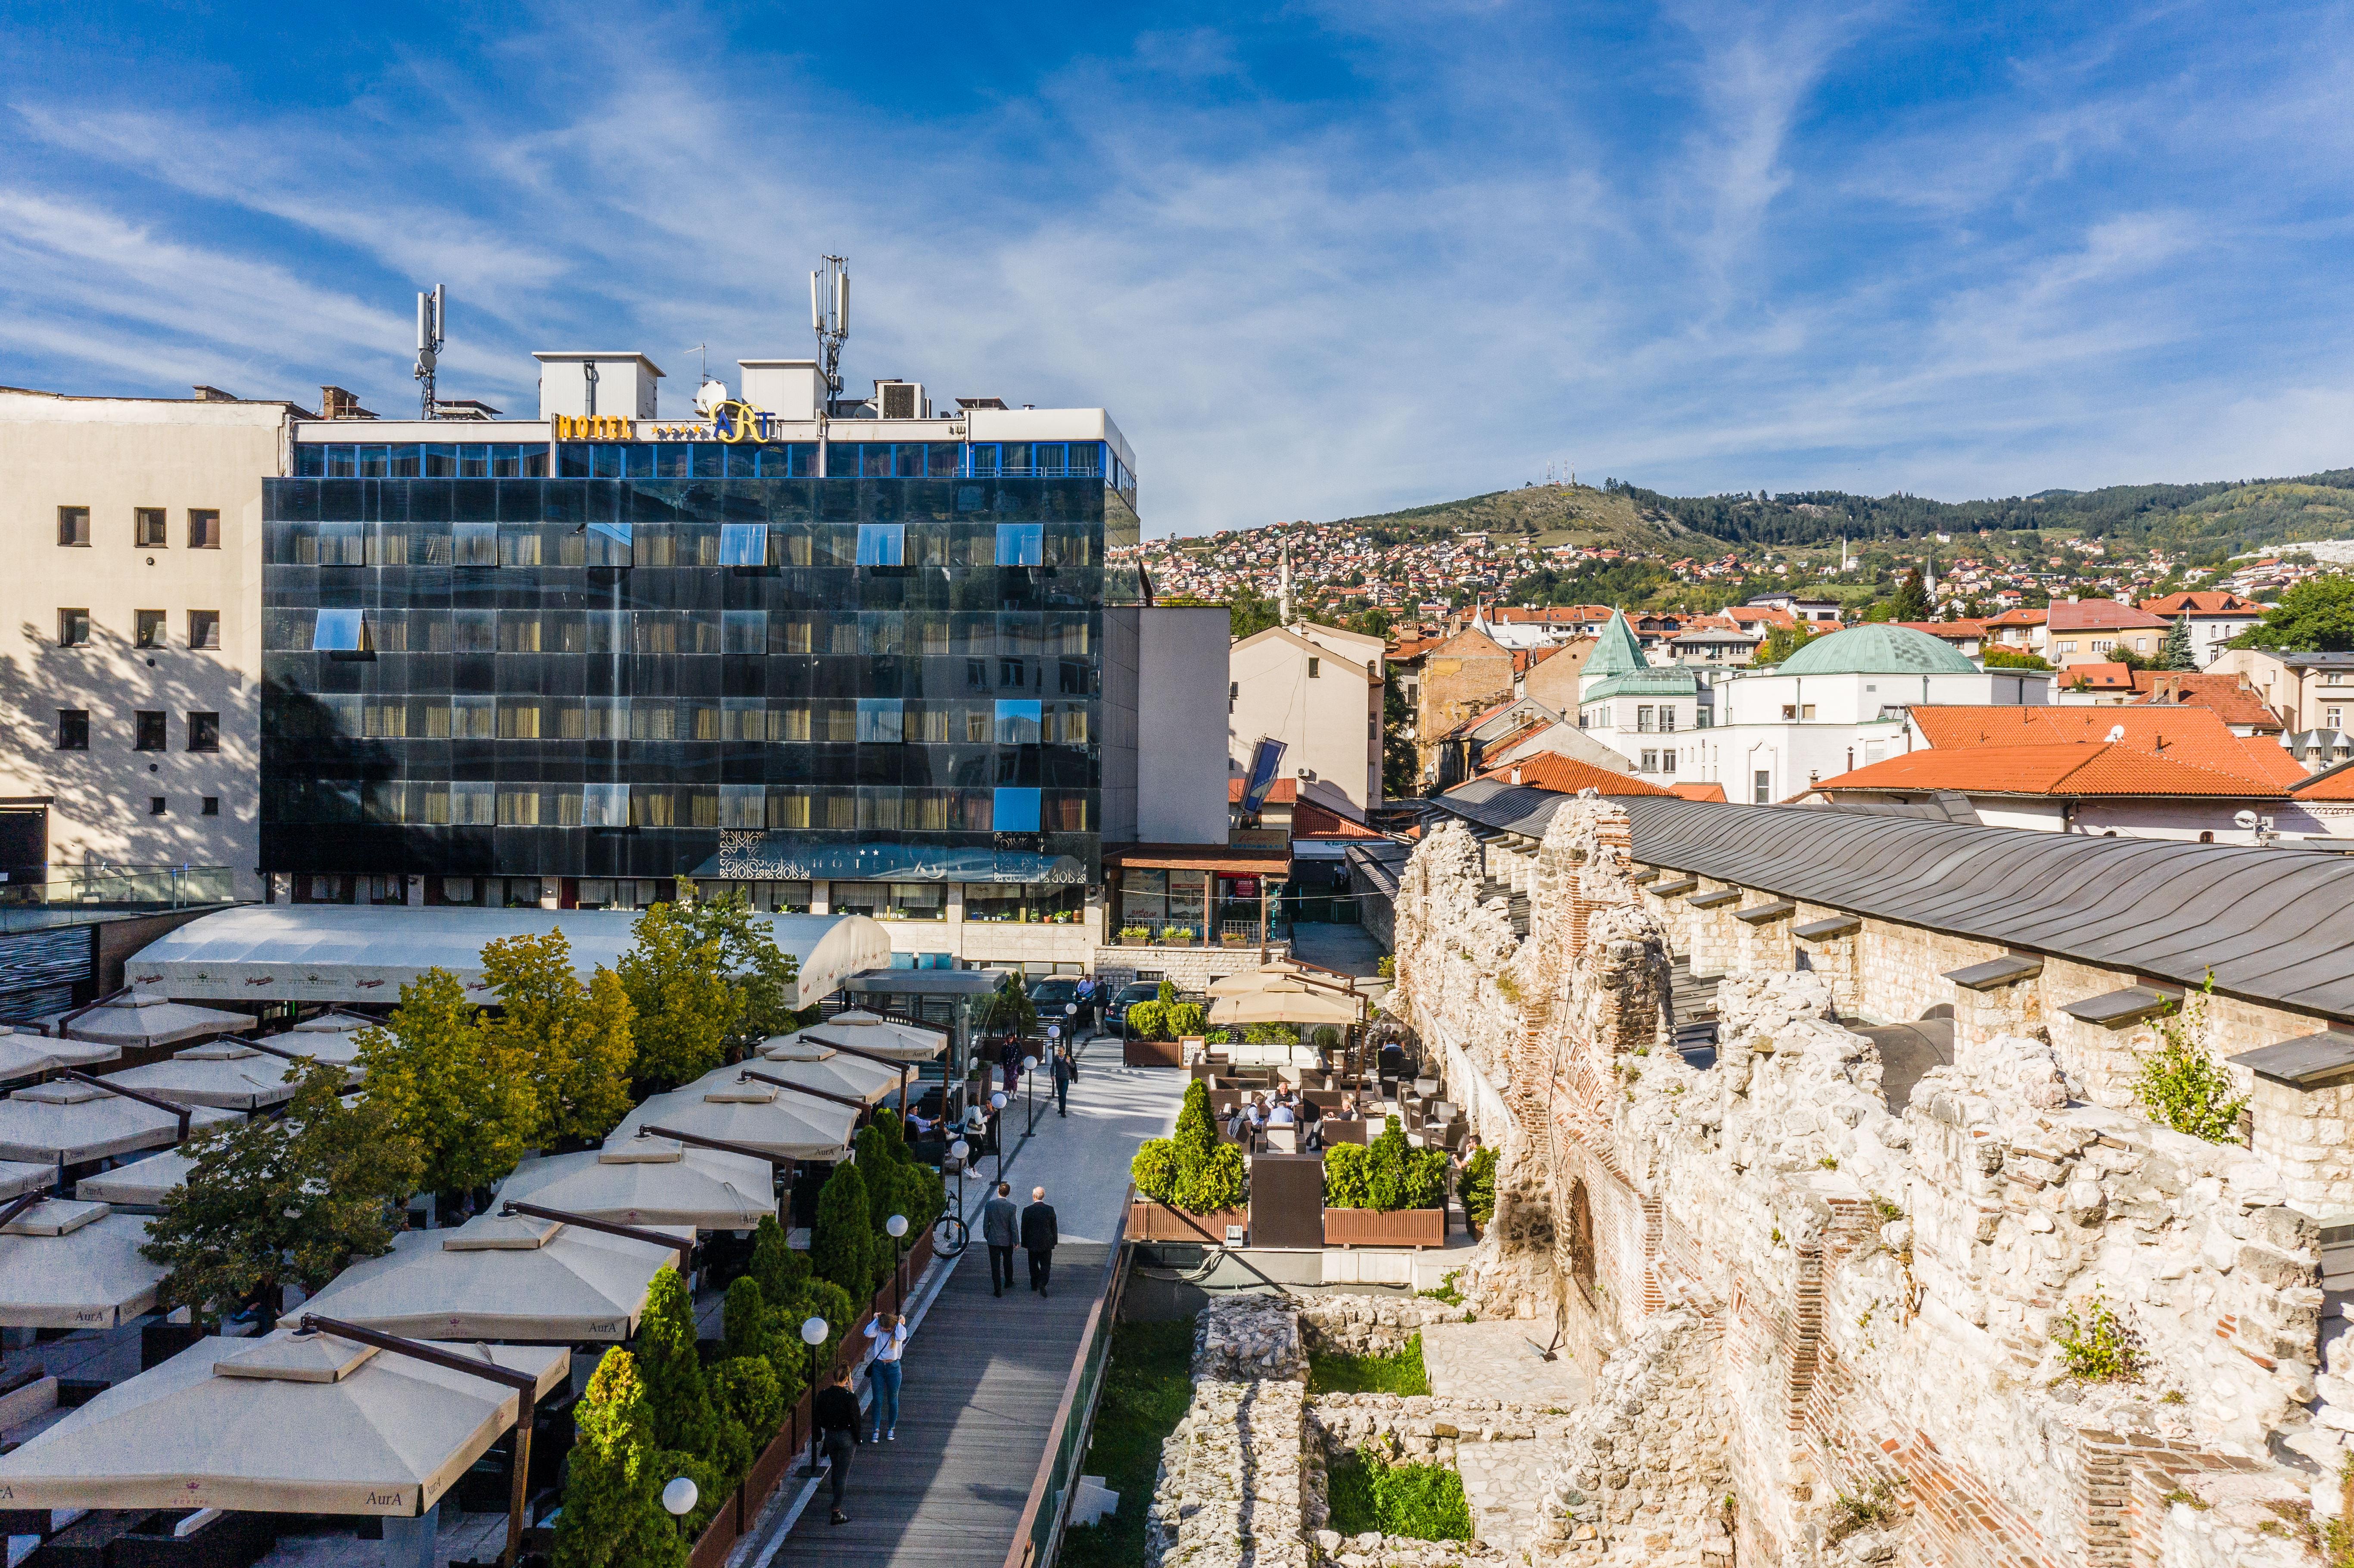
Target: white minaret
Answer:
[[1846, 561], [1929, 579], [1283, 582]]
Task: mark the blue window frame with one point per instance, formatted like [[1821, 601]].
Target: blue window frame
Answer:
[[1017, 722], [1020, 544], [881, 720], [882, 545], [743, 543], [1016, 811], [982, 459], [339, 631]]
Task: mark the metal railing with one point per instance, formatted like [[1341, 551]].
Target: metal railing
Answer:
[[120, 887], [1047, 1512]]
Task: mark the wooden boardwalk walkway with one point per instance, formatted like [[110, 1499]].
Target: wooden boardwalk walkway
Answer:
[[981, 1381]]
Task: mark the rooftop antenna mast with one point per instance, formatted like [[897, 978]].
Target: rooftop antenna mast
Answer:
[[429, 344], [830, 317]]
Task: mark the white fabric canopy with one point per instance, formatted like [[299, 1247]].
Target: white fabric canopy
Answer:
[[778, 1122], [288, 1423], [68, 1265], [25, 1054], [879, 1036], [19, 1177], [1244, 982], [804, 1060], [1287, 1002], [73, 1122], [365, 953], [651, 1181], [492, 1279], [143, 1183], [144, 1019], [219, 1073]]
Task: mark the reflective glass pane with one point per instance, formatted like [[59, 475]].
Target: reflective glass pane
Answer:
[[337, 630], [1017, 723], [880, 719], [1020, 544], [745, 630], [744, 544], [882, 544], [1014, 811], [605, 806]]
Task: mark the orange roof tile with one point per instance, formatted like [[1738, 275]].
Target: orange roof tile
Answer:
[[1310, 820], [1566, 775], [1283, 793], [2054, 770], [2231, 698], [1697, 792], [2196, 736], [2210, 602], [2098, 677], [2330, 784], [2099, 615]]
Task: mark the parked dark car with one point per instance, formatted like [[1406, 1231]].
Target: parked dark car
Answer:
[[1052, 994], [1115, 1010]]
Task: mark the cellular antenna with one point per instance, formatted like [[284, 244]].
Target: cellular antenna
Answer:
[[429, 344], [830, 317]]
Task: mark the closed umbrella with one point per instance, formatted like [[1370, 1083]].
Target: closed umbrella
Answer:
[[143, 1021], [141, 1184], [804, 1060], [779, 1123], [288, 1423], [68, 1122], [502, 1277], [648, 1181], [68, 1265], [224, 1072]]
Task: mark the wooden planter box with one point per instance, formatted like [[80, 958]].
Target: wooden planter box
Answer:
[[1372, 1227], [1151, 1221], [1151, 1054], [1136, 942]]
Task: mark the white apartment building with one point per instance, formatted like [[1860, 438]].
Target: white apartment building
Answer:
[[1318, 690]]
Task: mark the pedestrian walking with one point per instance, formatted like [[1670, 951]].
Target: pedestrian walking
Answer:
[[1001, 1227], [1087, 1000], [889, 1333], [1038, 1238], [1064, 1071], [1009, 1060], [835, 1410]]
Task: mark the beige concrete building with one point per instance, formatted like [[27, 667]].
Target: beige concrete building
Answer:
[[132, 665], [2306, 691], [1317, 689]]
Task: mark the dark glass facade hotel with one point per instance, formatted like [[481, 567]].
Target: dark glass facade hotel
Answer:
[[652, 660]]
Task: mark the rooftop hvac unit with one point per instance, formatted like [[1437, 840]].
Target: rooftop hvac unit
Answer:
[[901, 400]]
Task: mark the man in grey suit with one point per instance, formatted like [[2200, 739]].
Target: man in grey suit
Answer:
[[1001, 1227]]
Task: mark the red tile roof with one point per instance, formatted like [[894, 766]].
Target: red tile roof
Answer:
[[1310, 820], [2230, 696], [2210, 602], [1697, 792], [2099, 615], [2053, 769], [2330, 784], [2098, 677], [1566, 775], [2194, 734], [2017, 618], [1282, 794], [1951, 630]]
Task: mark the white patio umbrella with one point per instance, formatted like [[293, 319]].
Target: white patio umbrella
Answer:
[[224, 1072], [141, 1184], [1281, 1001], [68, 1265], [25, 1054], [807, 1062], [288, 1423], [513, 1277], [1244, 982], [18, 1177], [778, 1122], [143, 1020], [69, 1121], [877, 1035], [647, 1180], [329, 1037]]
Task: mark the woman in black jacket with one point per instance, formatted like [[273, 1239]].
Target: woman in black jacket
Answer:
[[835, 1410]]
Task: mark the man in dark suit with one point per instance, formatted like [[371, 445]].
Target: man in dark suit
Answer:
[[1001, 1227], [1038, 1238]]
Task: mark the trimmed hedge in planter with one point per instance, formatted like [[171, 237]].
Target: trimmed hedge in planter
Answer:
[[1151, 1221], [1391, 1227]]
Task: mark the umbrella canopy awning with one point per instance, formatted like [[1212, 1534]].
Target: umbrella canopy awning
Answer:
[[1244, 982], [288, 1423], [219, 1073], [73, 1122], [68, 1265], [143, 1183], [144, 1020], [502, 1278], [878, 1036], [804, 1060], [1282, 1002], [25, 1054], [778, 1122], [651, 1181], [18, 1177]]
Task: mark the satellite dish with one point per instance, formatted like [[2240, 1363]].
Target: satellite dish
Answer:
[[2243, 819], [709, 396], [2116, 733]]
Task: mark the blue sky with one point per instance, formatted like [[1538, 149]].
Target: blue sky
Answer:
[[1318, 259]]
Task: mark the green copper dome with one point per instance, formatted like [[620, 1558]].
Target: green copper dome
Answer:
[[1872, 650]]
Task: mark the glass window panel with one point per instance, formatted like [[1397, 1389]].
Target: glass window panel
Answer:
[[743, 806], [519, 718], [744, 544], [789, 808], [441, 462], [882, 544], [518, 808], [698, 633], [868, 898], [607, 630], [506, 462], [343, 543], [1020, 544], [983, 457], [656, 546], [880, 719], [372, 461], [926, 810], [473, 718], [605, 461], [743, 718], [1015, 458], [1049, 457], [920, 901], [309, 461], [475, 544], [703, 721], [385, 718], [519, 631], [744, 630], [653, 721], [1087, 458], [518, 546], [339, 630], [287, 630], [605, 806], [474, 630], [653, 631], [1017, 723], [473, 805], [474, 462], [794, 633], [710, 459], [879, 810], [343, 461], [673, 462], [1014, 811], [653, 808], [790, 723]]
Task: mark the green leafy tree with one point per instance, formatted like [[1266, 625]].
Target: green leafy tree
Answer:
[[1910, 600], [461, 1096], [1154, 1169], [1478, 1188], [2176, 654], [1781, 642], [1167, 994], [1401, 763], [676, 978], [1216, 1184], [1007, 1009], [765, 975], [1181, 1019], [613, 1515], [2012, 659], [751, 1397], [678, 1399], [1146, 1021], [1190, 1170], [1197, 1130], [841, 1243], [1344, 1176], [776, 1268], [748, 1324], [576, 1038], [2316, 615], [291, 1200]]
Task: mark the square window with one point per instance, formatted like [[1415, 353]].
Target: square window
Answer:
[[211, 806], [1017, 723], [147, 527], [73, 628], [976, 674], [475, 544], [1315, 669], [339, 631], [1014, 811], [882, 544], [204, 629], [1020, 544], [743, 630], [155, 805], [743, 545], [881, 720], [605, 806], [147, 628], [73, 729], [204, 732], [151, 733], [73, 526], [204, 530]]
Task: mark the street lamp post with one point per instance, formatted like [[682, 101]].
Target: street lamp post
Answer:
[[680, 1497], [959, 1151], [895, 1227], [997, 1105], [813, 1332], [1030, 1095]]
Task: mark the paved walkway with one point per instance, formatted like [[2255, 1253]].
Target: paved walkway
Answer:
[[1501, 1360], [1351, 950], [983, 1374]]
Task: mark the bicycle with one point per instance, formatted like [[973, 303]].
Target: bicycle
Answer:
[[949, 1235]]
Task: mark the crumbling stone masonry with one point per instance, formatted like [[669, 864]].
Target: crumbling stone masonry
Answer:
[[1825, 1333]]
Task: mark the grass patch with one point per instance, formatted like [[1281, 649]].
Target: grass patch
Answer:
[[1422, 1502], [1400, 1372], [1147, 1387]]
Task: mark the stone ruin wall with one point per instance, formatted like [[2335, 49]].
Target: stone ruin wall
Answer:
[[1791, 1297]]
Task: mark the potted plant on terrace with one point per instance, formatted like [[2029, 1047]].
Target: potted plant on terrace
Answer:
[[1384, 1194], [1135, 936], [1189, 1186], [1176, 936], [1236, 939]]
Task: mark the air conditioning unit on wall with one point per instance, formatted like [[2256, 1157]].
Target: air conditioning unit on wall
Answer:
[[901, 400]]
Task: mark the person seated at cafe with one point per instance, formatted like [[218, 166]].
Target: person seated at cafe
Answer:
[[1238, 1121], [1281, 1115], [1311, 1126], [920, 1123], [1256, 1112]]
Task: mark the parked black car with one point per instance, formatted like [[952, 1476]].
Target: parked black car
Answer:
[[1115, 1010], [1051, 993]]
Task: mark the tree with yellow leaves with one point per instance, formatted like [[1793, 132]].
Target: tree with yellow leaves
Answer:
[[464, 1096], [577, 1039]]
